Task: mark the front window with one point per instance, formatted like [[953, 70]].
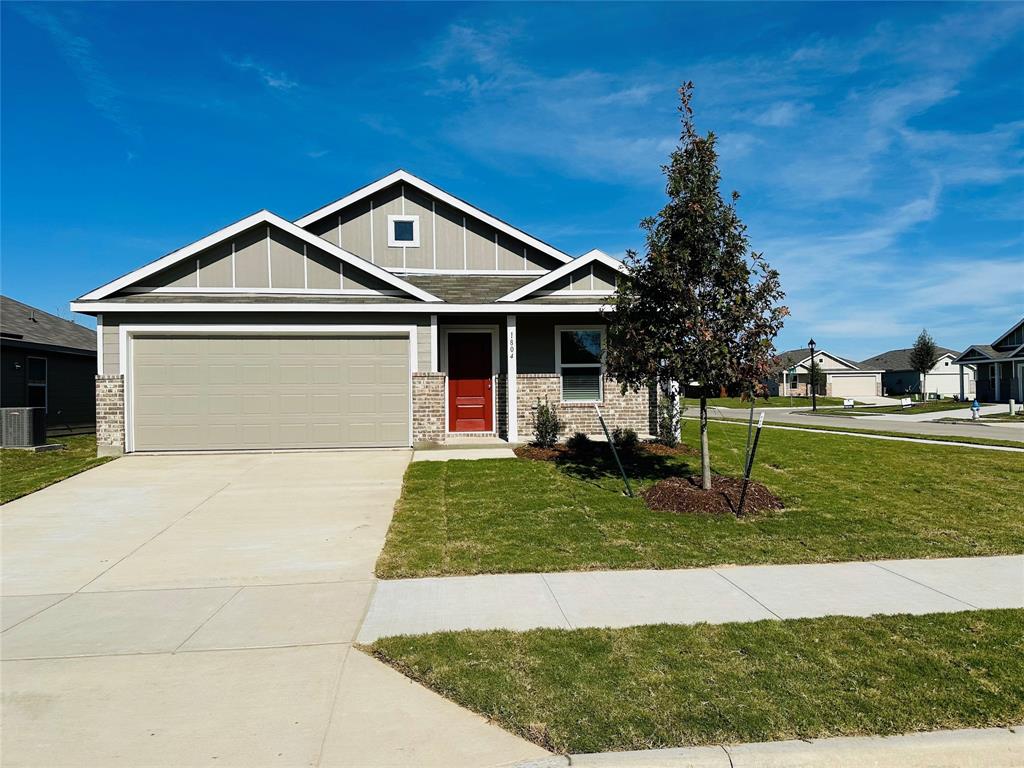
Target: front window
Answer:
[[579, 352], [404, 231], [36, 380]]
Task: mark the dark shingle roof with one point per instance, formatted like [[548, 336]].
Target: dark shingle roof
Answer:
[[469, 289], [898, 359], [20, 322], [792, 357]]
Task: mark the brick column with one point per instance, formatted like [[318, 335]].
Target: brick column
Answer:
[[109, 415], [427, 407]]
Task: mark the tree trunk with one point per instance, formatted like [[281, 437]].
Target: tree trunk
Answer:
[[705, 456]]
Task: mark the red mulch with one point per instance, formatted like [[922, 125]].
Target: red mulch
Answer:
[[684, 495]]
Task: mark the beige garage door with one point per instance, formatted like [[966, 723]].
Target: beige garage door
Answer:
[[853, 386], [245, 392]]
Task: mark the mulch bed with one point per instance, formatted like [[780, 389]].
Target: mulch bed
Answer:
[[560, 452], [541, 454], [683, 495]]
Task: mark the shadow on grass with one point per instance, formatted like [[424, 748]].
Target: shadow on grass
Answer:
[[598, 464]]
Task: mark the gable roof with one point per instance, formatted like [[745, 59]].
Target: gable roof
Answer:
[[566, 269], [468, 289], [1011, 330], [899, 359], [794, 357], [23, 323], [428, 188], [260, 217]]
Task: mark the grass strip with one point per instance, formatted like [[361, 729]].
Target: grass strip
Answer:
[[23, 472]]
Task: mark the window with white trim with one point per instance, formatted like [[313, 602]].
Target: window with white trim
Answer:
[[403, 231], [36, 382], [579, 357]]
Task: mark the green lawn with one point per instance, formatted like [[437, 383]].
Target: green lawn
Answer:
[[590, 690], [22, 472], [846, 499], [771, 402], [1004, 416]]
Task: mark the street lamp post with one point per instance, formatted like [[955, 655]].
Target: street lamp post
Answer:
[[814, 399]]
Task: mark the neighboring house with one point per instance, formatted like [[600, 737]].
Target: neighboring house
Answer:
[[843, 378], [48, 362], [394, 316], [999, 365], [945, 378]]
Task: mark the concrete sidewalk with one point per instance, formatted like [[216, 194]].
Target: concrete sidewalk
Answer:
[[715, 595], [965, 748]]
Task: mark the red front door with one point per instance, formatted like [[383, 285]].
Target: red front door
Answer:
[[470, 405]]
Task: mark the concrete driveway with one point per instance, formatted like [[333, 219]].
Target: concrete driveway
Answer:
[[200, 610]]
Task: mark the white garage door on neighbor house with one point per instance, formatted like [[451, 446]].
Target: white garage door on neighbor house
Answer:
[[853, 386]]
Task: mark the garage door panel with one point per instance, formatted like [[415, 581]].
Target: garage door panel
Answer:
[[238, 392], [853, 386]]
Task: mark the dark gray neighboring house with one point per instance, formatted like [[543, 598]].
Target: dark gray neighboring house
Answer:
[[945, 378], [1000, 366], [48, 362]]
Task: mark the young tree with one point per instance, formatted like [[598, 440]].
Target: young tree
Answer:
[[816, 378], [923, 358], [698, 306]]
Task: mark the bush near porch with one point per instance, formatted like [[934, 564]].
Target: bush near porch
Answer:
[[846, 498]]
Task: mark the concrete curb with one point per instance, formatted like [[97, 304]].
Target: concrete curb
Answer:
[[967, 748]]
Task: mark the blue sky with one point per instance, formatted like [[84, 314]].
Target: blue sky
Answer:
[[878, 148]]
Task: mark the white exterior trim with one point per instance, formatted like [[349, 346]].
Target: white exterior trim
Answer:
[[511, 381], [464, 272], [558, 360], [269, 291], [434, 351], [495, 368], [567, 269], [90, 308], [415, 242], [99, 345], [440, 194], [127, 333], [231, 230]]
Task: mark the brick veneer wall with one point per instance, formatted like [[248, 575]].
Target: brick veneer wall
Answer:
[[427, 407], [109, 415], [637, 410]]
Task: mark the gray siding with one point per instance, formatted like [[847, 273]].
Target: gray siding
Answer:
[[461, 242]]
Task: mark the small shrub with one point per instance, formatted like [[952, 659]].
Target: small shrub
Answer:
[[626, 440], [546, 425], [579, 443], [668, 422]]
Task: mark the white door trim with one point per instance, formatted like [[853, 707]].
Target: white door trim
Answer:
[[127, 333], [495, 367]]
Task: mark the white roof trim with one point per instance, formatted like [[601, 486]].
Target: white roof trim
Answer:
[[974, 348], [839, 360], [260, 217], [95, 307], [562, 271], [440, 194]]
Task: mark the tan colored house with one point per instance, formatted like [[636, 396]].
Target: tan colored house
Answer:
[[843, 378], [395, 316]]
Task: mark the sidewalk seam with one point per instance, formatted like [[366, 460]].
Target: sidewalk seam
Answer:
[[926, 586], [741, 589], [206, 621], [555, 598]]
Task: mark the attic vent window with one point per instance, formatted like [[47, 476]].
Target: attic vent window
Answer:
[[404, 231]]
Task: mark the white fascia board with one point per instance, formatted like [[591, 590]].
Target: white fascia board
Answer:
[[562, 271], [975, 350], [260, 217], [440, 194], [806, 360], [95, 307]]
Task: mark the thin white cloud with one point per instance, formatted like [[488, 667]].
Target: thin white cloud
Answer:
[[279, 81], [78, 51]]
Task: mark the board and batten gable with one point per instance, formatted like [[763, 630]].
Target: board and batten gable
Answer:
[[111, 329], [263, 258], [593, 277], [448, 238]]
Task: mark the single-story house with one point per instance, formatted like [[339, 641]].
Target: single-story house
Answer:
[[945, 378], [843, 378], [394, 316], [1000, 366], [47, 362]]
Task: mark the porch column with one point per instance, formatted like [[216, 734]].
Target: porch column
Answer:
[[998, 368], [434, 352], [961, 381], [511, 369]]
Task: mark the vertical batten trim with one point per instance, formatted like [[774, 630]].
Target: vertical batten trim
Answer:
[[495, 249], [99, 345], [591, 275], [434, 352], [305, 266], [372, 258], [511, 380], [465, 258], [197, 273], [525, 262], [234, 279], [433, 229], [270, 269], [339, 231], [402, 188]]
